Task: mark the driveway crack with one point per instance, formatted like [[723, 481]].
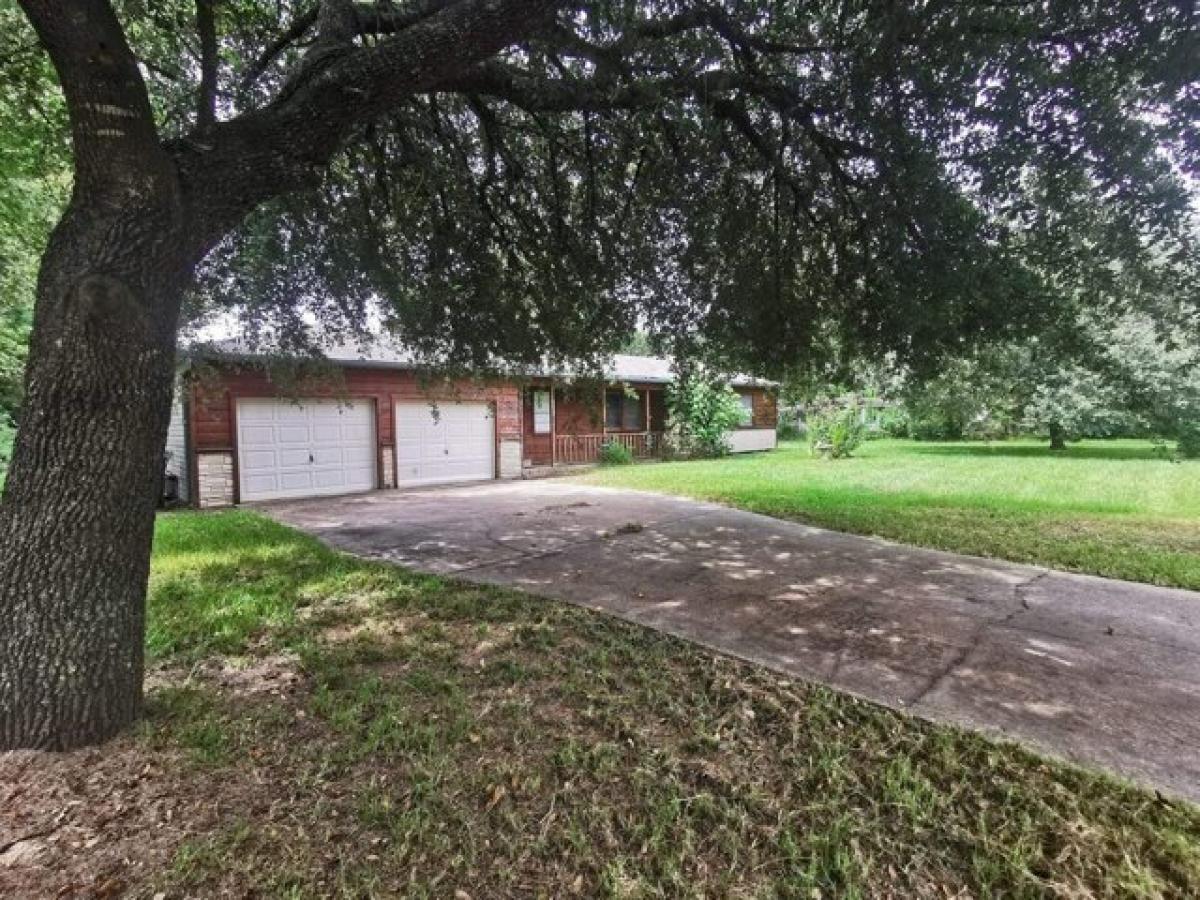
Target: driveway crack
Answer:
[[1021, 588], [943, 674]]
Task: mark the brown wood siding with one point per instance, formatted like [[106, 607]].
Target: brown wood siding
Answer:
[[538, 448], [658, 410], [766, 411], [577, 413], [213, 401]]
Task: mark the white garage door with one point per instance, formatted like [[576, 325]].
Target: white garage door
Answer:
[[455, 442], [301, 450]]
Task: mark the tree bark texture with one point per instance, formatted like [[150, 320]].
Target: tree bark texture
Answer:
[[78, 512]]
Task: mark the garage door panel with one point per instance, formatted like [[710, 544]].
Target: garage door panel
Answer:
[[288, 412], [259, 483], [335, 412], [259, 460], [329, 478], [291, 456], [292, 434], [257, 435], [327, 456], [255, 412], [327, 434], [456, 444], [314, 447], [295, 481]]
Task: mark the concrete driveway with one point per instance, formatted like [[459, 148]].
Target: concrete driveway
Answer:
[[1103, 672]]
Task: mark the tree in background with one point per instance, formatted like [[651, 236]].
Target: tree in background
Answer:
[[1103, 378], [516, 179]]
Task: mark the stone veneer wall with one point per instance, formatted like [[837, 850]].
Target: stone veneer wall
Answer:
[[214, 474], [388, 457], [510, 458]]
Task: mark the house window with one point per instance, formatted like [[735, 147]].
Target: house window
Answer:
[[623, 412], [747, 410], [541, 412]]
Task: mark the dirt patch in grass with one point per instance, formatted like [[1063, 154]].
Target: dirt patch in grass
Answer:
[[107, 822], [502, 746]]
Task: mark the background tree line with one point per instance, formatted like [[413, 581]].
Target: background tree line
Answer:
[[1124, 375]]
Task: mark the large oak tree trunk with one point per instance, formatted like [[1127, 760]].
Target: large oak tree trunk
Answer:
[[78, 511]]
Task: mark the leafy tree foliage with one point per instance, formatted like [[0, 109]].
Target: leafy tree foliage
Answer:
[[965, 398], [835, 432], [702, 409], [1120, 377], [779, 179], [34, 179]]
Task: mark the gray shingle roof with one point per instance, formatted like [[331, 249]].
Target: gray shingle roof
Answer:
[[385, 354]]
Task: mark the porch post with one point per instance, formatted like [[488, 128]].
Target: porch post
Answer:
[[646, 422], [553, 429]]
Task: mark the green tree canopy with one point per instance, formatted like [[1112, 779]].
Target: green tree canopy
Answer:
[[767, 180]]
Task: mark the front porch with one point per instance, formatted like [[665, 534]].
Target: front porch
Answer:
[[564, 426]]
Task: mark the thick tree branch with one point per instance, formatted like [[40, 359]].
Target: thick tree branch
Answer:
[[288, 144], [375, 18], [363, 18], [536, 94], [702, 16], [337, 22], [290, 36], [206, 25], [112, 125]]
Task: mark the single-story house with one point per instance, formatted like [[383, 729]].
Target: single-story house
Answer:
[[381, 422]]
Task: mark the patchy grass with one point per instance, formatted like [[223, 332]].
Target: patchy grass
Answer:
[[319, 726], [1113, 508]]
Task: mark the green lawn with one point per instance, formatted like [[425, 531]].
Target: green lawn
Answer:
[[7, 435], [319, 726], [1114, 508]]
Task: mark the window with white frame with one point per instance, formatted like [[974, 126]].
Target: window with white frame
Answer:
[[747, 410], [541, 412]]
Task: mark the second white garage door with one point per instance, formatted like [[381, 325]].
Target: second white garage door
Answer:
[[457, 442]]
